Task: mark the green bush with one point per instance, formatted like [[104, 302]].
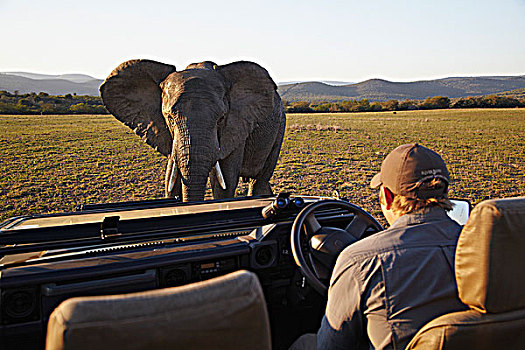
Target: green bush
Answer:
[[436, 102], [43, 103]]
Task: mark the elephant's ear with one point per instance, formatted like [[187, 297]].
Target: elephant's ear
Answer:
[[251, 97], [132, 94]]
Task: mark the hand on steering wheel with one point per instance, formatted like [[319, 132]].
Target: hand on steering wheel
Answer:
[[323, 244]]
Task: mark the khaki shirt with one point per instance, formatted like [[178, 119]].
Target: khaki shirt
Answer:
[[384, 288]]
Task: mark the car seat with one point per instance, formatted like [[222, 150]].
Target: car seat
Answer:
[[227, 312], [490, 273]]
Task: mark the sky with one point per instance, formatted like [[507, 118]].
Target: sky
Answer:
[[295, 40]]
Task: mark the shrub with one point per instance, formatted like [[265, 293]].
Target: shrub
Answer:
[[436, 102]]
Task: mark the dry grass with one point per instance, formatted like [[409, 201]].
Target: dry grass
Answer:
[[53, 163]]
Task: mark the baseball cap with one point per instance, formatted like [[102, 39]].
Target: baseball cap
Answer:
[[407, 167]]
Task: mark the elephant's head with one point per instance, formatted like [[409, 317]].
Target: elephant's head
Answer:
[[195, 117]]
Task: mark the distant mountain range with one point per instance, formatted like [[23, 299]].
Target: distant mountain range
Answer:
[[23, 82], [383, 90], [373, 89], [327, 82], [77, 78]]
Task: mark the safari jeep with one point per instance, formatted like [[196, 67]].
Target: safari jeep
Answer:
[[245, 273]]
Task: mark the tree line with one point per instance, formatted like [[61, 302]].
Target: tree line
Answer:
[[436, 102], [43, 103]]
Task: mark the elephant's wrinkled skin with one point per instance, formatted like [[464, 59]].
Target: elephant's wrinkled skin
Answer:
[[205, 115]]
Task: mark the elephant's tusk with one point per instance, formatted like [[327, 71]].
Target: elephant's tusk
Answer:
[[219, 175], [173, 176]]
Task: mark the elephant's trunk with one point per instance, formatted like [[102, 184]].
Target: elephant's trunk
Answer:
[[195, 163], [195, 146], [194, 181], [193, 193]]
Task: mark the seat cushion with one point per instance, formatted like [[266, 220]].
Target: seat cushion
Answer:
[[490, 263], [472, 330], [227, 312]]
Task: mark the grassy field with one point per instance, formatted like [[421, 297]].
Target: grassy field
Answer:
[[53, 163]]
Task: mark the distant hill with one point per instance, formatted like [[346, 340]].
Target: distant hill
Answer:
[[23, 82], [383, 90], [328, 82], [517, 93], [77, 78]]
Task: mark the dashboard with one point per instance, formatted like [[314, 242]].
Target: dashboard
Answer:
[[130, 247]]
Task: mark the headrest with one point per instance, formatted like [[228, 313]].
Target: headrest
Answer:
[[490, 256], [222, 313]]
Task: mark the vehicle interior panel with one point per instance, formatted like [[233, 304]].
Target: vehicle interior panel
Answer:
[[141, 246]]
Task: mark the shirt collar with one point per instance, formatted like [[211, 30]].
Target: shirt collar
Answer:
[[432, 214]]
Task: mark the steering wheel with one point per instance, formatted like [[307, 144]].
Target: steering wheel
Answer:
[[322, 244]]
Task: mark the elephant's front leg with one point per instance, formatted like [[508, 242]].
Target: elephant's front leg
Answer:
[[259, 187], [230, 167]]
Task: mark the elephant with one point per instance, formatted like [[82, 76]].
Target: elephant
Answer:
[[218, 121]]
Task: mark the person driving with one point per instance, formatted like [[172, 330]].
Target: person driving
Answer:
[[385, 287]]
